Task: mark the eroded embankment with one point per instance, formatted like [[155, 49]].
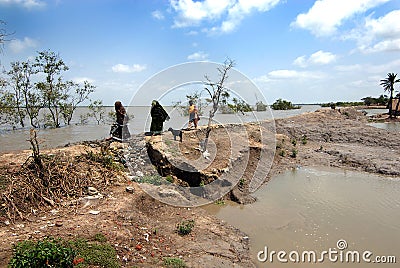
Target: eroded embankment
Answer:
[[237, 153], [337, 138]]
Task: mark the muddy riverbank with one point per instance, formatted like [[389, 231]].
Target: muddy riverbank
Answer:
[[337, 138]]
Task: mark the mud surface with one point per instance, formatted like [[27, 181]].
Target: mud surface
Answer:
[[338, 138]]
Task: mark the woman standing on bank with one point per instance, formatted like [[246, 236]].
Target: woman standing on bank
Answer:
[[158, 117], [121, 130]]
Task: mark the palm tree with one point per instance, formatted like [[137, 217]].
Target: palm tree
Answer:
[[388, 85], [397, 105]]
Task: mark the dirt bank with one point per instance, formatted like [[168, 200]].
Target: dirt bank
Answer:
[[142, 230], [336, 138], [339, 138]]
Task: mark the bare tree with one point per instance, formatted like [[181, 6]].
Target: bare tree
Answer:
[[54, 90], [215, 90], [79, 95], [3, 35]]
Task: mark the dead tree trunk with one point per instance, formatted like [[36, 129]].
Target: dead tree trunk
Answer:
[[215, 89]]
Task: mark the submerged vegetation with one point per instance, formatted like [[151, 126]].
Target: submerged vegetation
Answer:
[[280, 104], [32, 88]]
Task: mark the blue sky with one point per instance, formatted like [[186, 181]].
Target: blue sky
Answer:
[[299, 50]]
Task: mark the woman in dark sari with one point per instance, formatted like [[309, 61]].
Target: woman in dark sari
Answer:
[[158, 117], [121, 131]]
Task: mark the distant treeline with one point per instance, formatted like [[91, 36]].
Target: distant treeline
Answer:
[[382, 100]]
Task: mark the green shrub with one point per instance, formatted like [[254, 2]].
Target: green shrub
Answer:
[[169, 178], [304, 140], [294, 153], [260, 106], [174, 263], [151, 179], [185, 227], [280, 104], [282, 153], [46, 253], [99, 237], [220, 202], [294, 142], [100, 254]]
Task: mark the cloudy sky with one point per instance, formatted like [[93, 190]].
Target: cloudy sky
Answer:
[[301, 50]]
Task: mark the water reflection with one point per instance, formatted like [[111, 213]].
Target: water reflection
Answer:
[[389, 126], [311, 209], [11, 140]]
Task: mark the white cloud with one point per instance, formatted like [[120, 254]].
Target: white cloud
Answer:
[[123, 68], [386, 45], [349, 68], [25, 3], [17, 45], [290, 75], [81, 80], [231, 12], [301, 61], [200, 55], [321, 57], [325, 16], [369, 68], [387, 26], [193, 12], [157, 15], [378, 35], [318, 58]]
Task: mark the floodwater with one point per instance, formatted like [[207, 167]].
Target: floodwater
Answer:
[[311, 209], [12, 140], [389, 126]]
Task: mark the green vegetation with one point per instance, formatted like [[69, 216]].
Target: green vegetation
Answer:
[[239, 106], [105, 157], [280, 104], [294, 142], [97, 111], [174, 263], [52, 252], [185, 227], [94, 253], [260, 106], [304, 140], [388, 86], [169, 178], [155, 179], [294, 153], [47, 253], [282, 153], [220, 202], [383, 100], [21, 98], [333, 105], [196, 98], [99, 237]]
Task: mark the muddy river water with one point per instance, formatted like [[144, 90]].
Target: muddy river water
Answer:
[[310, 209]]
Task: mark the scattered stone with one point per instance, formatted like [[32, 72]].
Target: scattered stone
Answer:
[[59, 223], [139, 173], [130, 189], [94, 212], [92, 191]]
